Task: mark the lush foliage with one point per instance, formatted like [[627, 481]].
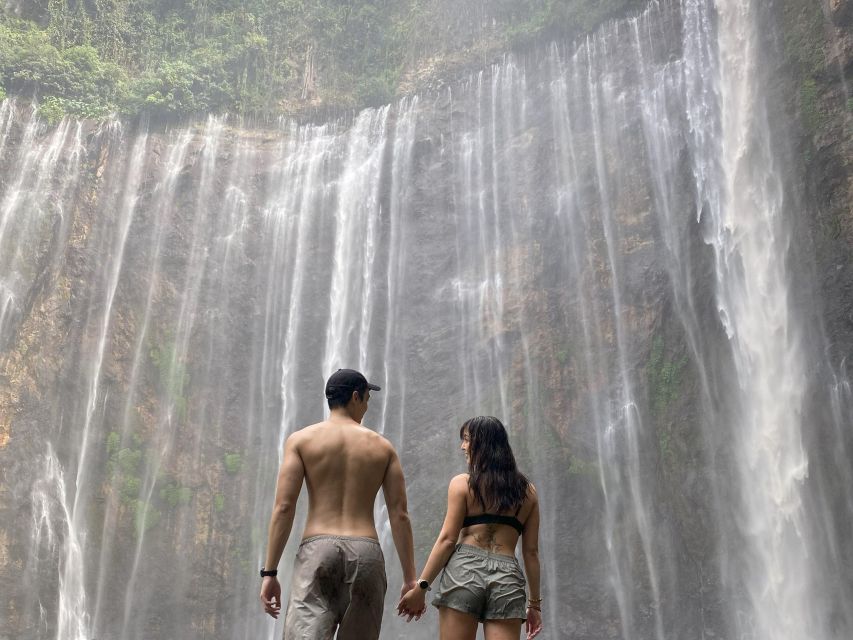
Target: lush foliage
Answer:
[[74, 79], [182, 57]]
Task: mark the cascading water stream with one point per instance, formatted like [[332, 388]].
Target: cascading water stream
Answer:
[[355, 243], [51, 511], [160, 208], [102, 310], [745, 211]]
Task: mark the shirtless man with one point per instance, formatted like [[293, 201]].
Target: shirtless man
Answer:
[[339, 571]]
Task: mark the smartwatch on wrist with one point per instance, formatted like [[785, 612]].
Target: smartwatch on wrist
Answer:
[[271, 573], [424, 585]]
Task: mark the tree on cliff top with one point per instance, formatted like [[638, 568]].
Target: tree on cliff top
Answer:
[[257, 57]]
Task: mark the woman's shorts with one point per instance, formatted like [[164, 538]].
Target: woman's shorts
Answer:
[[487, 585]]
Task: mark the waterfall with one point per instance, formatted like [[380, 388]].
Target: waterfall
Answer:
[[746, 229], [591, 240]]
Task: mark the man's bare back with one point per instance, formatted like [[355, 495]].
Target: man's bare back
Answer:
[[343, 465]]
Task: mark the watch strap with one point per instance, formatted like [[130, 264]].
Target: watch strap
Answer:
[[268, 573]]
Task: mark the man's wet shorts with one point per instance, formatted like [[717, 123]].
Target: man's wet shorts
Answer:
[[487, 585], [338, 585]]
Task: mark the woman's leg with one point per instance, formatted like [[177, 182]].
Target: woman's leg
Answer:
[[456, 625], [502, 629]]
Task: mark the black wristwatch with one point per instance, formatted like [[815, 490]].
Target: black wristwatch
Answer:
[[272, 573], [423, 584]]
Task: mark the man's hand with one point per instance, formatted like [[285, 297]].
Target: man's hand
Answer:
[[533, 625], [412, 604], [271, 596], [407, 586]]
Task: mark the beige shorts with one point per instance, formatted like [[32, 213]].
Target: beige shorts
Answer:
[[338, 585], [487, 585]]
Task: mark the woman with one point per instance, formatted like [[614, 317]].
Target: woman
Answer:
[[488, 509]]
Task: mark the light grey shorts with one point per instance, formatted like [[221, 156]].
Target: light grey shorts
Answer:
[[487, 585], [338, 584]]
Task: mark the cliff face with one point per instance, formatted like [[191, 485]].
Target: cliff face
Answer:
[[816, 51], [560, 240], [819, 51]]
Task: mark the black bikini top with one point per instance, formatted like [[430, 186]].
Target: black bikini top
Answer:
[[493, 518]]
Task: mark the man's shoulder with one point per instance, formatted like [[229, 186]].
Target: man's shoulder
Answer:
[[305, 432], [313, 430], [376, 439]]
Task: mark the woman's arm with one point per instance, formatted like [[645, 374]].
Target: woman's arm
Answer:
[[413, 602], [443, 548], [530, 549], [530, 555]]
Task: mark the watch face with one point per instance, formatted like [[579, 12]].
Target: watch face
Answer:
[[423, 584]]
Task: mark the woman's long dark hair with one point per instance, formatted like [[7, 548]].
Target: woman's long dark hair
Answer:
[[493, 476]]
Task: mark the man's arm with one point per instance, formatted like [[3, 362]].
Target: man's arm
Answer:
[[290, 476], [394, 489]]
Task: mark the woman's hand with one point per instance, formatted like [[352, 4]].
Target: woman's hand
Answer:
[[412, 604], [533, 625]]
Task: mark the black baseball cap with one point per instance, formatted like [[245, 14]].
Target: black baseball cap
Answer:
[[345, 380]]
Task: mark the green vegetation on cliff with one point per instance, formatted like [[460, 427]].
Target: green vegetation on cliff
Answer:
[[173, 494], [664, 372], [172, 376], [233, 463], [176, 58], [804, 38]]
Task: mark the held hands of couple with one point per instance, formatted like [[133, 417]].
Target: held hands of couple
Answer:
[[412, 603]]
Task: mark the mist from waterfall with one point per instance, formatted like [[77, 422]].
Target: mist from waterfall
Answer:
[[591, 241]]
